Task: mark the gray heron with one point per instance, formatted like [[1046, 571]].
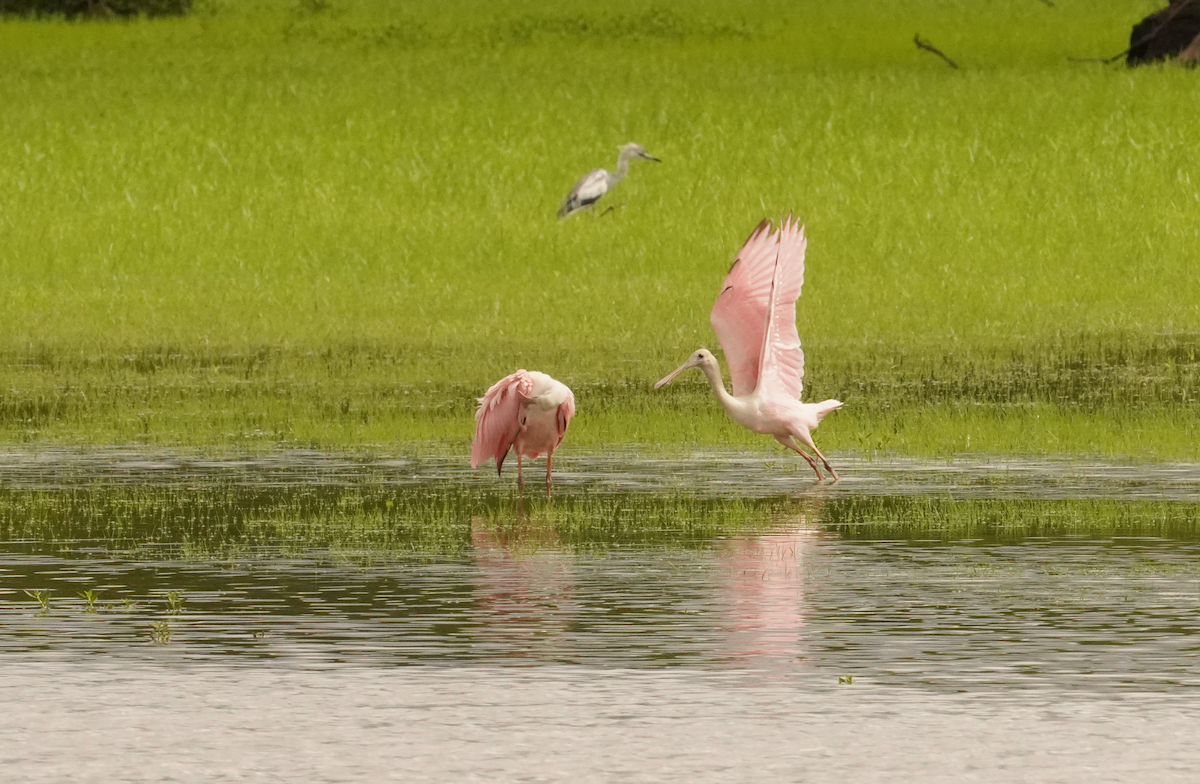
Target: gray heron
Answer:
[[597, 183]]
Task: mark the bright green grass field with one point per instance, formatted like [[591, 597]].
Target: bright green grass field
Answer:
[[332, 224]]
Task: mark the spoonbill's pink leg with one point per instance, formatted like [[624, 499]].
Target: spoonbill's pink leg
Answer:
[[520, 479], [549, 460], [807, 438], [791, 444]]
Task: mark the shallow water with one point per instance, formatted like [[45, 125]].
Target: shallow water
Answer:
[[103, 723], [709, 474], [560, 645]]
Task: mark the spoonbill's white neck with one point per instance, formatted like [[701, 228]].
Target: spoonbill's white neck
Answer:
[[713, 372]]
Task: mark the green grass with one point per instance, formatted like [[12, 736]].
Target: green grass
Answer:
[[223, 520], [271, 224], [906, 518], [370, 521]]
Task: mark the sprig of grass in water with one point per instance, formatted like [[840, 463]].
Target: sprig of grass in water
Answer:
[[175, 602], [89, 600], [160, 632], [42, 596]]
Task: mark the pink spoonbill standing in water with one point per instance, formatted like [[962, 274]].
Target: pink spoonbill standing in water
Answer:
[[755, 320], [527, 412]]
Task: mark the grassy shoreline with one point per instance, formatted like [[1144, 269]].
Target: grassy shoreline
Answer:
[[224, 521], [273, 227], [349, 399]]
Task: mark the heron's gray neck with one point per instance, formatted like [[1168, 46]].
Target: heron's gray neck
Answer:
[[622, 167]]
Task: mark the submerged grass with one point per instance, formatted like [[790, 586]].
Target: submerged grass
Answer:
[[229, 521], [225, 521], [332, 224], [1006, 520]]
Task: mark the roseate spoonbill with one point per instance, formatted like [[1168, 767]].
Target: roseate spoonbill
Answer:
[[755, 320], [599, 182], [528, 412]]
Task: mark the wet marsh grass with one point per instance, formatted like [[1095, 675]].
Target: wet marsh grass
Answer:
[[234, 523], [1008, 520], [230, 522], [332, 224]]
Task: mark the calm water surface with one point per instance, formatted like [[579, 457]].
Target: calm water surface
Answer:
[[525, 651]]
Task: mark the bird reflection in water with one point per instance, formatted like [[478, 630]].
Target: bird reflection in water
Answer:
[[763, 594], [525, 589], [536, 599]]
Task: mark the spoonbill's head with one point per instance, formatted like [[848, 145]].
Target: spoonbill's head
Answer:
[[637, 151], [701, 359]]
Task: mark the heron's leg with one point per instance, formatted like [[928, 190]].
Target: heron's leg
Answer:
[[807, 438], [791, 444], [549, 460]]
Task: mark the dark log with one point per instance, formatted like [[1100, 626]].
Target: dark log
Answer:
[[1164, 34], [95, 8], [1191, 55]]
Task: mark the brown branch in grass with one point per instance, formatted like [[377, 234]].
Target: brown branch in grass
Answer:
[[928, 47]]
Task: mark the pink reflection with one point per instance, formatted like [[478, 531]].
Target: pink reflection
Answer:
[[525, 589], [763, 595]]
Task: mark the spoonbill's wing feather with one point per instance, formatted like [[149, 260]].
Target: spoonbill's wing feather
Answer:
[[497, 421], [782, 364], [593, 185], [566, 410], [739, 316]]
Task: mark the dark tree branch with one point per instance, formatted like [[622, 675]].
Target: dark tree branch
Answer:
[[928, 47]]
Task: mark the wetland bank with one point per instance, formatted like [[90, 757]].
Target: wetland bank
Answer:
[[260, 260], [332, 225]]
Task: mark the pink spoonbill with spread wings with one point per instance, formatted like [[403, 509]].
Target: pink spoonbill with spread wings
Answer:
[[527, 412], [755, 320]]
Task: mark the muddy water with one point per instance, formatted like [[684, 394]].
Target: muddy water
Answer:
[[791, 640]]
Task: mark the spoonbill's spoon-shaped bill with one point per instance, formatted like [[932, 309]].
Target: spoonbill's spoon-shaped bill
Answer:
[[527, 412], [755, 320], [599, 182]]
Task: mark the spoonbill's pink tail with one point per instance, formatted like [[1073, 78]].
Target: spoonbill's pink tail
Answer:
[[826, 406]]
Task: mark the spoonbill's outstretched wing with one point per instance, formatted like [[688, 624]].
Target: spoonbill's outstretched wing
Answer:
[[755, 316], [782, 364], [593, 185], [497, 422]]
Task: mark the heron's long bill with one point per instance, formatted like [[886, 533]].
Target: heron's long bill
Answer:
[[691, 363]]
